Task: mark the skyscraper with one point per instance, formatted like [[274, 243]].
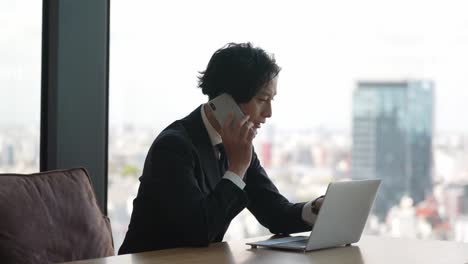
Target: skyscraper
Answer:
[[392, 139]]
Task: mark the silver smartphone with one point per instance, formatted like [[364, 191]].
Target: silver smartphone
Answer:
[[224, 104]]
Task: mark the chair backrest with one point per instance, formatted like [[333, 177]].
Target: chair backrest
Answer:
[[51, 216]]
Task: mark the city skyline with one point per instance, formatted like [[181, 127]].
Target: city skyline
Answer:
[[301, 164]]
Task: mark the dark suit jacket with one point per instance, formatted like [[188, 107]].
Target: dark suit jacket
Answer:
[[184, 201]]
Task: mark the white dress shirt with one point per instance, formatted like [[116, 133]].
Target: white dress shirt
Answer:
[[215, 138]]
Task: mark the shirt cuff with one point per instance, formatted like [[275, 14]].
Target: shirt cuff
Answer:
[[234, 178], [307, 215]]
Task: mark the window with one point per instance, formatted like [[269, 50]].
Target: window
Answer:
[[20, 82], [157, 49]]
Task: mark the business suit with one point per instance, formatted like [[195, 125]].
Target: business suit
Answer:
[[184, 201]]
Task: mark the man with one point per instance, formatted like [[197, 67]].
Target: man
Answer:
[[200, 174]]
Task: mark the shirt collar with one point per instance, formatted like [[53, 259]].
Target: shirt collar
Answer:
[[215, 137]]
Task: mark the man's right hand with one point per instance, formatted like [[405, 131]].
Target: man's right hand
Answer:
[[237, 138]]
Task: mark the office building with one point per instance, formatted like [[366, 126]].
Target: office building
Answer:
[[392, 139]]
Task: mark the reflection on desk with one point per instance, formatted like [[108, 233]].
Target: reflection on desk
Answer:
[[370, 249]]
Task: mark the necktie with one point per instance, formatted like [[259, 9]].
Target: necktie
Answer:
[[222, 161]]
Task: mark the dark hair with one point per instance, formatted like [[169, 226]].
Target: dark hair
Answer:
[[240, 70]]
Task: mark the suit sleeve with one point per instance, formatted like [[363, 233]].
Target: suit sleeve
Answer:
[[270, 208], [170, 197]]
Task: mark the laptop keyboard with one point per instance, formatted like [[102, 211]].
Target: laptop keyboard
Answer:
[[297, 243], [285, 242]]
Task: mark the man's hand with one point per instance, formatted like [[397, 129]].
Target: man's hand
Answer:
[[317, 204], [237, 138]]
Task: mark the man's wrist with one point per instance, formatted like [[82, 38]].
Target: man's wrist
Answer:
[[307, 215], [234, 178], [237, 170]]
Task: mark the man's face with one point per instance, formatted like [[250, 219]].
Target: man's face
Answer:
[[259, 107]]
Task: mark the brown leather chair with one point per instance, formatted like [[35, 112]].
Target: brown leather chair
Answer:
[[51, 217]]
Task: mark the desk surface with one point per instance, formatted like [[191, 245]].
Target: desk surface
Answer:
[[370, 249]]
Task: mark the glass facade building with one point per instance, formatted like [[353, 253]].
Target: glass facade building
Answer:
[[392, 139]]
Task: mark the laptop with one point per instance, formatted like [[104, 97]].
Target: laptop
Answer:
[[340, 221]]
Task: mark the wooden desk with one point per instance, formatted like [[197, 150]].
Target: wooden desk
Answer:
[[369, 250]]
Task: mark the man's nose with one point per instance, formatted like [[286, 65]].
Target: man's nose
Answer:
[[268, 111]]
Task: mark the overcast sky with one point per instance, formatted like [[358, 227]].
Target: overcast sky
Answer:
[[324, 47]]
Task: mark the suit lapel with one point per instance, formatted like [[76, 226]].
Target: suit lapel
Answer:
[[201, 140]]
